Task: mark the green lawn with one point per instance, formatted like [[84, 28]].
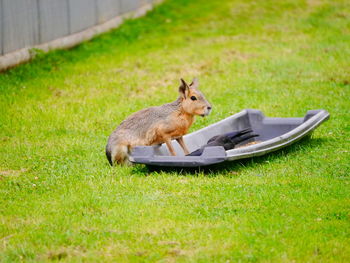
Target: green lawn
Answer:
[[60, 199]]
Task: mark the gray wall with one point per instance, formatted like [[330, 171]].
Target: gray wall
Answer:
[[24, 23]]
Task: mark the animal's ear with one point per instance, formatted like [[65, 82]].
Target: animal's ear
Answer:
[[195, 83], [184, 89]]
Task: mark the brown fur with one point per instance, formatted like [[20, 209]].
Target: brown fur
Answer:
[[157, 125]]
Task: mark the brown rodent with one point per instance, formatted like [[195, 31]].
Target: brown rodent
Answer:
[[156, 125]]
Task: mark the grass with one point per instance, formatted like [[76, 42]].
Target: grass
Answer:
[[60, 200]]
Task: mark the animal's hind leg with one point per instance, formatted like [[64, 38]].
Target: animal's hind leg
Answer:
[[123, 160], [120, 155]]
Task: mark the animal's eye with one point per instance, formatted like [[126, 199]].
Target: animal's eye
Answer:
[[193, 98]]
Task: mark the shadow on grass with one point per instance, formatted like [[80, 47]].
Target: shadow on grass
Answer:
[[234, 167]]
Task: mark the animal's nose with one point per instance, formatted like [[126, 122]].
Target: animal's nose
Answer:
[[209, 108]]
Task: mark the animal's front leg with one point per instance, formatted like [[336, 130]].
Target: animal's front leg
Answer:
[[183, 145], [170, 147]]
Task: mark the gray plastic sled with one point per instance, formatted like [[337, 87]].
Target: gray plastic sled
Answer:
[[274, 134]]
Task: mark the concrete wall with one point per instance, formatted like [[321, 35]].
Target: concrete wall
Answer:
[[27, 23]]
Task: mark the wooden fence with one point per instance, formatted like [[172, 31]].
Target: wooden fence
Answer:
[[29, 23]]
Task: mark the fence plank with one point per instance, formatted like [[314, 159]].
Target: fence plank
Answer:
[[107, 9], [26, 23], [20, 24], [1, 26], [53, 17], [130, 5], [82, 14]]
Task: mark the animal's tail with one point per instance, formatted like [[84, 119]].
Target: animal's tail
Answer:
[[109, 155], [117, 154]]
